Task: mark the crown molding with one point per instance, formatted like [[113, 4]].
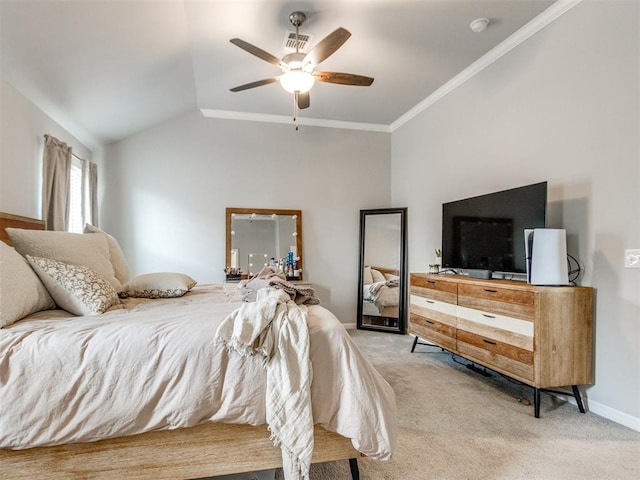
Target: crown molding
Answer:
[[534, 26], [559, 8], [314, 122]]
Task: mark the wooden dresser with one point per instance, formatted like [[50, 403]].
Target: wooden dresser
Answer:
[[541, 336]]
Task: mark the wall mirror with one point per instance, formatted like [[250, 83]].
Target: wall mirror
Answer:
[[258, 237], [382, 278]]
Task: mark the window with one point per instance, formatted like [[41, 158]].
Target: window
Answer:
[[80, 202], [76, 223]]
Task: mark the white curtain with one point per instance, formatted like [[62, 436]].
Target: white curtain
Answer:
[[56, 174], [69, 188]]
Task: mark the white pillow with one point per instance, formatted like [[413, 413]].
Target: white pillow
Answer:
[[75, 288], [91, 251], [158, 285], [21, 291], [390, 276], [118, 260], [367, 279], [377, 276]]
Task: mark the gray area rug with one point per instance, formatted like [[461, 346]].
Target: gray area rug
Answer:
[[457, 424]]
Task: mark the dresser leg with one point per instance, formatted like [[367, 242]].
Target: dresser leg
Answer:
[[415, 342], [536, 402], [576, 394], [355, 471]]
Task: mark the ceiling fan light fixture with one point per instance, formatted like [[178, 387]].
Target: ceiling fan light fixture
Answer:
[[297, 81]]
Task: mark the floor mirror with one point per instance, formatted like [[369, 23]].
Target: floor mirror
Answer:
[[382, 277]]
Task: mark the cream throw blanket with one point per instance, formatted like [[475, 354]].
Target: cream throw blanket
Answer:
[[275, 329], [273, 277]]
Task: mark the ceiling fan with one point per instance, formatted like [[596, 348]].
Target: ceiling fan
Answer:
[[298, 69]]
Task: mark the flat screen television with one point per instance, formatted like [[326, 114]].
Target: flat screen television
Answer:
[[487, 232]]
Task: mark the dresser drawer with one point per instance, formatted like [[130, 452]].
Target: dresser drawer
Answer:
[[513, 302], [495, 321], [496, 327], [437, 332], [427, 306], [432, 287], [503, 357]]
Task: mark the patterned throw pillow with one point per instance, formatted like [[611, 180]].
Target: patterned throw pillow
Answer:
[[75, 288], [158, 285]]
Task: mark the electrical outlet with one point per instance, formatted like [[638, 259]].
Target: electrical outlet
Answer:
[[632, 258]]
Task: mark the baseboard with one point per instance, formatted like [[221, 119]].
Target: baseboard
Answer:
[[615, 415], [350, 326], [606, 412]]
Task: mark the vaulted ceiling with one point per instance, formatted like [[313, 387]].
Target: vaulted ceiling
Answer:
[[108, 69]]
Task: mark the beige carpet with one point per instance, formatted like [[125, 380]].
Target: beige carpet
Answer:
[[457, 424]]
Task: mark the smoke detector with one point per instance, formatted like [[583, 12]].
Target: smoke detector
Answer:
[[479, 25]]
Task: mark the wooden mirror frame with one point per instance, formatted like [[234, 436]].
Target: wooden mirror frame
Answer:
[[403, 273], [266, 211]]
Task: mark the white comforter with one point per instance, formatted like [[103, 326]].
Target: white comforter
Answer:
[[154, 365], [383, 294]]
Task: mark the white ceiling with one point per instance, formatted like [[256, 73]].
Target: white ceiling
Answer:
[[107, 69]]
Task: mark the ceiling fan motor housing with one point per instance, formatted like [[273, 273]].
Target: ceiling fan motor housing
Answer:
[[297, 18]]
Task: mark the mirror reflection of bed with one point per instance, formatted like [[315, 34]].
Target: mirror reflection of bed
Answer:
[[381, 296], [382, 270]]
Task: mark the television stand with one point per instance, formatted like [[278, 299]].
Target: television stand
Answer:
[[540, 336]]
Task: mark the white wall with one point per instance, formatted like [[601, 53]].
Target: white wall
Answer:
[[22, 129], [168, 187], [562, 107]]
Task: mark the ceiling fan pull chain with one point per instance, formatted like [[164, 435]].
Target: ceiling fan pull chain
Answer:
[[295, 110]]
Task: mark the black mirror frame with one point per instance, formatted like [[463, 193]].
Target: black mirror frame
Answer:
[[404, 275]]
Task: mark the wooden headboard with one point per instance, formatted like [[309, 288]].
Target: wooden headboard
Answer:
[[17, 221], [383, 270]]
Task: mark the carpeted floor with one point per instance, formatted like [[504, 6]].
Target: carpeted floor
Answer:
[[457, 424]]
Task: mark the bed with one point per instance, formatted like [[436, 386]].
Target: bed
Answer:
[[219, 430], [380, 294]]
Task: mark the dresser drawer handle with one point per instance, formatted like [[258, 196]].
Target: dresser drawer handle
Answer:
[[428, 321], [489, 290], [429, 301], [488, 316], [488, 341], [432, 282]]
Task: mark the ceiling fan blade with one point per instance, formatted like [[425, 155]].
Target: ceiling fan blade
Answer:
[[258, 52], [303, 100], [326, 47], [255, 84], [343, 78]]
